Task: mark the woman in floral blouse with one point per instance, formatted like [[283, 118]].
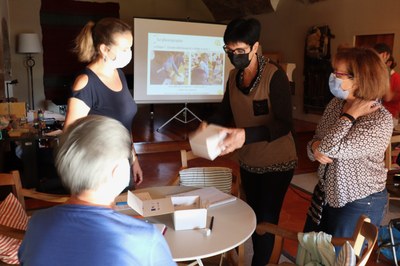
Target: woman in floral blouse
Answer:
[[350, 142]]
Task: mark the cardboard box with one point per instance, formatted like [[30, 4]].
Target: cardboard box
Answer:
[[186, 211], [205, 143], [18, 109]]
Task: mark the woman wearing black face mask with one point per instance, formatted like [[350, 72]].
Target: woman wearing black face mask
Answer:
[[258, 102]]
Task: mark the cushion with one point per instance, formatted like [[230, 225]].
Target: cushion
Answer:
[[346, 256], [218, 177], [12, 214]]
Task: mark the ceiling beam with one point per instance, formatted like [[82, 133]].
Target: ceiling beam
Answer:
[[224, 10]]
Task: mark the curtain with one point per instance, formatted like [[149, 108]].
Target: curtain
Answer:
[[61, 21]]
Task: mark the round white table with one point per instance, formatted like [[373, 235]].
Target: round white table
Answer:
[[234, 223]]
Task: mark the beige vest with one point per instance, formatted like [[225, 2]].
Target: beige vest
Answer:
[[264, 153]]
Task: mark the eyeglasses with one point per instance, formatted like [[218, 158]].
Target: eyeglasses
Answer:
[[236, 51], [341, 75]]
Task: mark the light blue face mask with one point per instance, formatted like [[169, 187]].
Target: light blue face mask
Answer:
[[335, 86]]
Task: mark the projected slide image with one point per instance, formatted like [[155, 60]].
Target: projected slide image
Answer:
[[207, 69], [181, 64], [168, 68]]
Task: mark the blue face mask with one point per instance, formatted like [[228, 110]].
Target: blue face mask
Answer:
[[335, 86]]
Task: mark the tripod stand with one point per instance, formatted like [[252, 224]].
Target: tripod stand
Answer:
[[185, 120]]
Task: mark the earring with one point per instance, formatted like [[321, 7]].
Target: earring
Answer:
[[105, 59]]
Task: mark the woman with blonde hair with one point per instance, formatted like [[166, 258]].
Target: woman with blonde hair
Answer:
[[101, 88]]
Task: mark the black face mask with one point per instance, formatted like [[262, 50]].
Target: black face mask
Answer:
[[239, 61]]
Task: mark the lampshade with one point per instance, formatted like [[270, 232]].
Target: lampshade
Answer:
[[274, 4], [28, 43]]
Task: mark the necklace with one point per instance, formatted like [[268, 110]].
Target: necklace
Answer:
[[254, 83]]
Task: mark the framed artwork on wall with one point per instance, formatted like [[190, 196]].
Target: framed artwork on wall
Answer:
[[369, 40]]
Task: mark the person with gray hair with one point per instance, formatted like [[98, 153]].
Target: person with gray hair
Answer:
[[93, 159]]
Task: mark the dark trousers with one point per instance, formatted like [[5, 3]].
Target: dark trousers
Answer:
[[265, 194]]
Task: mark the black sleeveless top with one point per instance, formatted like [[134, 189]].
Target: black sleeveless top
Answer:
[[103, 101]]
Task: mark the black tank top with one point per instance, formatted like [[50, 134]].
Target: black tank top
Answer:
[[103, 101]]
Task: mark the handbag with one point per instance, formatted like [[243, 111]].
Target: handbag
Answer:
[[318, 200]]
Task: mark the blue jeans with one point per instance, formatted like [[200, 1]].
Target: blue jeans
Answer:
[[341, 222]]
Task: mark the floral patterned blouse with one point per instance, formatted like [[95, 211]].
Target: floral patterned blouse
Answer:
[[357, 150]]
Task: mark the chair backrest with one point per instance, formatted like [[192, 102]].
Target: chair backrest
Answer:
[[389, 153], [364, 231], [370, 232], [218, 177], [208, 173], [14, 218], [13, 179]]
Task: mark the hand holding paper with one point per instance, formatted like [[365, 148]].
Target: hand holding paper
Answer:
[[235, 138], [206, 143]]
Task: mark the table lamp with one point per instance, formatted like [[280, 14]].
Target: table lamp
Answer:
[[29, 43]]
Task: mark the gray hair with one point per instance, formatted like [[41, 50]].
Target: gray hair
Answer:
[[89, 149]]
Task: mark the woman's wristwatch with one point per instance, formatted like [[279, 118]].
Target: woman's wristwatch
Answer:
[[350, 117]]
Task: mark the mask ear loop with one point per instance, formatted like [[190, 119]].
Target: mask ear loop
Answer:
[[251, 49]]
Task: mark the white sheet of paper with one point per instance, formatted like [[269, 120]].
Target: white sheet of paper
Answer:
[[205, 143]]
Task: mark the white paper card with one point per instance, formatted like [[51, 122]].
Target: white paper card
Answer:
[[186, 202], [205, 143], [190, 219]]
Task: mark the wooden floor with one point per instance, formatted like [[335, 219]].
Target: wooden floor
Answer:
[[160, 158]]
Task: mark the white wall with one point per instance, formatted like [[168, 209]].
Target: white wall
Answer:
[[25, 20], [28, 20], [285, 30]]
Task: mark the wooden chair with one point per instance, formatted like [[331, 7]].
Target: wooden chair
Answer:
[[365, 230], [221, 165], [13, 180], [390, 153]]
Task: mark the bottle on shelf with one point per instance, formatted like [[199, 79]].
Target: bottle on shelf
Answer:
[[42, 122]]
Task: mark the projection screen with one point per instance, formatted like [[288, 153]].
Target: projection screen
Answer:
[[178, 62]]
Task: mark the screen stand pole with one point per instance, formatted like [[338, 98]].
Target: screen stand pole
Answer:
[[184, 112], [151, 111]]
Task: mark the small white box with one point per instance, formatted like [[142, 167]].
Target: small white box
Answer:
[[186, 210], [188, 214], [205, 143]]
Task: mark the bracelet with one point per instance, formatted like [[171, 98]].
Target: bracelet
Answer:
[[350, 117]]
